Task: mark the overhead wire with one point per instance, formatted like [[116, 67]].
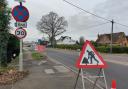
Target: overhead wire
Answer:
[[121, 24], [93, 13], [85, 10], [93, 26]]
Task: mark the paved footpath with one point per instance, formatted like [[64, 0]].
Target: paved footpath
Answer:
[[46, 74]]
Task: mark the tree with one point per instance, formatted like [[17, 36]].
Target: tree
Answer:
[[81, 40], [52, 25], [4, 31]]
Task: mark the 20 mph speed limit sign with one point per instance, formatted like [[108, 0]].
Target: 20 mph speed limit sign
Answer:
[[20, 33]]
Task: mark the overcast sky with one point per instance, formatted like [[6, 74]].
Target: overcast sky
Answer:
[[80, 23]]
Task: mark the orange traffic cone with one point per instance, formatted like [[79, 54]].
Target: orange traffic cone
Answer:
[[113, 84]]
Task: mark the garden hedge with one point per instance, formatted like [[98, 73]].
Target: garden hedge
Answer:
[[102, 49]]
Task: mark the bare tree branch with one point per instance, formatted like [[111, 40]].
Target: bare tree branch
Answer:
[[52, 25]]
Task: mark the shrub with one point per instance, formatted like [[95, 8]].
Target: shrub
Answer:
[[102, 48], [72, 47], [115, 49]]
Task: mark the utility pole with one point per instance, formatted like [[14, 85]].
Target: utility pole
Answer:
[[111, 45]]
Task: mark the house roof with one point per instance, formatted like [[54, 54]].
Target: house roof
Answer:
[[116, 37], [63, 37]]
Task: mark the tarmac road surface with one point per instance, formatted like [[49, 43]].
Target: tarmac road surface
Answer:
[[116, 71]]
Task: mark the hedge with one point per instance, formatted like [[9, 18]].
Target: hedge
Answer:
[[102, 49], [72, 47]]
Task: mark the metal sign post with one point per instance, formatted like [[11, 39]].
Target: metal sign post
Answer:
[[21, 15], [105, 79], [82, 76], [20, 33], [85, 76], [97, 77], [21, 56], [77, 78]]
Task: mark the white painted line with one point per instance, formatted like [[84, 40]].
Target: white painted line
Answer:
[[61, 69], [54, 61], [49, 71], [41, 62]]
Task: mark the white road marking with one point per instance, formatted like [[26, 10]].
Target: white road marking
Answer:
[[56, 62], [61, 69], [41, 62], [49, 71]]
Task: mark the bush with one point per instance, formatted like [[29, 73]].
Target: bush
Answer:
[[71, 47], [102, 49], [115, 49], [120, 49]]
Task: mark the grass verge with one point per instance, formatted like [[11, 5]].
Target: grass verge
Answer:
[[38, 56]]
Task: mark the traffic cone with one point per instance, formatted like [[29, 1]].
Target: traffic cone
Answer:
[[113, 84]]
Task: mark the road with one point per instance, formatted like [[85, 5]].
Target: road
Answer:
[[114, 71]]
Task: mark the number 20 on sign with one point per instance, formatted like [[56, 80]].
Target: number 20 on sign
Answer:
[[20, 33]]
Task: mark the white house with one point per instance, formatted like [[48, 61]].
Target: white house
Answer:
[[66, 40]]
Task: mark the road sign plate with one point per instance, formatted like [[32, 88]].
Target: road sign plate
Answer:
[[21, 24], [20, 33], [90, 58], [20, 13]]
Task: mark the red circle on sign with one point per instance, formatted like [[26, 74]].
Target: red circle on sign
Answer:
[[20, 13], [20, 35]]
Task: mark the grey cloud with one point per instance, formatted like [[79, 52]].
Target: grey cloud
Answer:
[[114, 9], [82, 21]]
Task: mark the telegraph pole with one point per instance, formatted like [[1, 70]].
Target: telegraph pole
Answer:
[[111, 44]]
